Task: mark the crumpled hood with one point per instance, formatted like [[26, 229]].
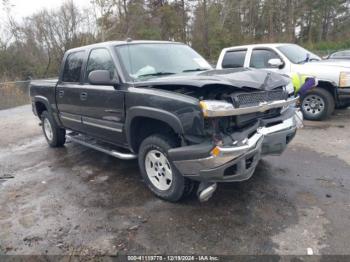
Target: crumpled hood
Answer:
[[239, 78]]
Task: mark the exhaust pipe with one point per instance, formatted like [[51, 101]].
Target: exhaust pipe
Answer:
[[205, 191]]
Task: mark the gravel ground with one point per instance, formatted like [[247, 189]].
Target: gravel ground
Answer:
[[74, 200]]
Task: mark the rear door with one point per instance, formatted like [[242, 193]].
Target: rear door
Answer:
[[68, 90], [102, 108], [234, 58]]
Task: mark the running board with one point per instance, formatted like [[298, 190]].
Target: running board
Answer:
[[100, 146]]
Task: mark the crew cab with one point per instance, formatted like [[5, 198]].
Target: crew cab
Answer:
[[188, 125], [333, 76]]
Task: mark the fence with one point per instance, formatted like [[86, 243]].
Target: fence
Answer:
[[14, 94]]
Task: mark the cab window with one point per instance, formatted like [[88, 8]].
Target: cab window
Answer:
[[261, 57], [72, 67], [233, 59]]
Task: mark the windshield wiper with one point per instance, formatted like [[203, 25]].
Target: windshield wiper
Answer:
[[157, 74], [195, 70]]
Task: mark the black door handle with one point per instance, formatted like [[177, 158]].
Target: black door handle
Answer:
[[83, 96], [60, 93]]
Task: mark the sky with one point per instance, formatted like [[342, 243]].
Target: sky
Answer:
[[23, 8]]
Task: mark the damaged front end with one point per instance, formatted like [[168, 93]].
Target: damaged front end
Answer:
[[240, 128]]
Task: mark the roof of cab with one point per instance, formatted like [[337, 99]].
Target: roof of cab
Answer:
[[256, 45], [115, 43]]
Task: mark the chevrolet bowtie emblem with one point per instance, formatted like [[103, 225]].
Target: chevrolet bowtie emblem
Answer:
[[263, 106]]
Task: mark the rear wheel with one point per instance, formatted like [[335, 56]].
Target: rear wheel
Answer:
[[317, 104], [160, 175], [55, 136]]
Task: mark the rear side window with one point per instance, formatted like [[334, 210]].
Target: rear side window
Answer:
[[261, 57], [234, 59], [72, 67], [100, 59]]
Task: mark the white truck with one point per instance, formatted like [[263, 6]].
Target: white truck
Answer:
[[333, 76]]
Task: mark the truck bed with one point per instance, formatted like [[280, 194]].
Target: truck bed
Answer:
[[50, 82], [45, 89]]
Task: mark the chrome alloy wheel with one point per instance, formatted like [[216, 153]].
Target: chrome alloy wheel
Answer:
[[158, 170], [48, 129], [313, 105]]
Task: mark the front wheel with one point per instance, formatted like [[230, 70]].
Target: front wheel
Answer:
[[160, 175], [317, 105]]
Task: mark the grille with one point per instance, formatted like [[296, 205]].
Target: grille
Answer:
[[251, 99]]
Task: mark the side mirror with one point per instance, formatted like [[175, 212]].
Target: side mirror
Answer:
[[275, 63], [102, 77]]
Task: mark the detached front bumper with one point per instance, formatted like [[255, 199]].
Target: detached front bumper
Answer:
[[235, 163]]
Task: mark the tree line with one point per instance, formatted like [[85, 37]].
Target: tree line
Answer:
[[33, 46]]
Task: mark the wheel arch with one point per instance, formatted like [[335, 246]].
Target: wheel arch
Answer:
[[41, 104], [328, 86], [144, 121]]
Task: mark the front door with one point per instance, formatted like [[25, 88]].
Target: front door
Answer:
[[102, 108], [260, 57]]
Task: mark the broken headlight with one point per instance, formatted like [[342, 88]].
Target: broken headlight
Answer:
[[213, 108], [290, 88]]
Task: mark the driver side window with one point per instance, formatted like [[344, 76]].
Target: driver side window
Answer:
[[261, 57], [100, 59]]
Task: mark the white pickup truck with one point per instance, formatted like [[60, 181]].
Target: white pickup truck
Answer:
[[333, 76]]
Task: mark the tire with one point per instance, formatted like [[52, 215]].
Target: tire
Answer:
[[155, 166], [56, 137], [317, 105]]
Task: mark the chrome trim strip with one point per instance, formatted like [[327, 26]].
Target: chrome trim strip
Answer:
[[101, 126], [247, 110], [296, 121], [70, 119], [286, 124]]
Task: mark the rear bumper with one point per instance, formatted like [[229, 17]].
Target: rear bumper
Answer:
[[238, 163]]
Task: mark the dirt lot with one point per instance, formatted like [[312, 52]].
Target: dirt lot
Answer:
[[75, 200]]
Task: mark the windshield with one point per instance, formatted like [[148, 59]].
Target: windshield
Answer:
[[298, 55], [158, 59]]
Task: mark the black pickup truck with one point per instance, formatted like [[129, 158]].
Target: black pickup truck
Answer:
[[189, 126]]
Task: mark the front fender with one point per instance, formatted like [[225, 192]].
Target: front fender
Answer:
[[158, 114]]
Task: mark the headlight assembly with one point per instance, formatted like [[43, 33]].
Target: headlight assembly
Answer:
[[344, 79], [290, 88], [212, 108]]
